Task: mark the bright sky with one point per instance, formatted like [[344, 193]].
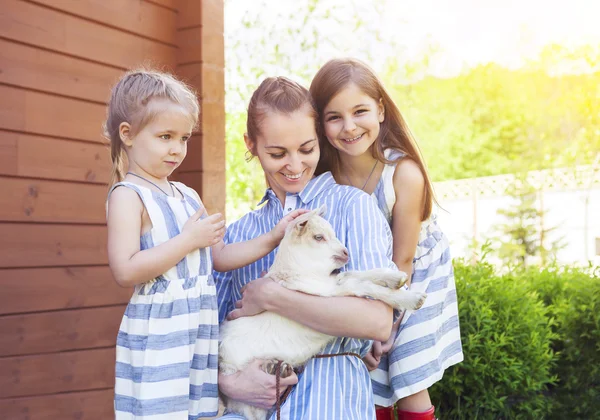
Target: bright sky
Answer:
[[468, 32]]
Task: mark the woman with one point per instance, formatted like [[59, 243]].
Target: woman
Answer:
[[281, 133]]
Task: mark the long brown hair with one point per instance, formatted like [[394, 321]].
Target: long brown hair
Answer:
[[394, 133], [128, 103]]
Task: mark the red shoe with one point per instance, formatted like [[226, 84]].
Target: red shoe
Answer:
[[385, 413], [411, 415]]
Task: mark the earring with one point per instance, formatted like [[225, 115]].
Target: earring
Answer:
[[248, 156]]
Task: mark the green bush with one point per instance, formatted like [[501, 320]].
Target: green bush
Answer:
[[573, 299], [506, 336]]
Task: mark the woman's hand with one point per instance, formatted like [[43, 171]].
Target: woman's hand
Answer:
[[373, 358], [255, 298], [253, 386]]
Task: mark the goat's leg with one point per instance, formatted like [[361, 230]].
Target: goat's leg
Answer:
[[385, 277], [350, 285], [270, 367]]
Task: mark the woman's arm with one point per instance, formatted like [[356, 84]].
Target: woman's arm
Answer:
[[130, 265], [337, 316], [368, 242], [409, 185]]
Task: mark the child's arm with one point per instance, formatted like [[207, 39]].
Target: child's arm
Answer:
[[409, 185], [232, 256], [130, 265]]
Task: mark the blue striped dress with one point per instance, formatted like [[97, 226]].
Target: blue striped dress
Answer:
[[428, 340], [329, 388], [166, 365]]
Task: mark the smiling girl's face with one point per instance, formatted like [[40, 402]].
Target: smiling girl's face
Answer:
[[352, 120], [288, 150]]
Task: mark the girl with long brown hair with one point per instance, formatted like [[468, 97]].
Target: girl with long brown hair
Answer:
[[367, 144]]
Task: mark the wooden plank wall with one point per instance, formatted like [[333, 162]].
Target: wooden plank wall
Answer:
[[59, 307], [201, 62]]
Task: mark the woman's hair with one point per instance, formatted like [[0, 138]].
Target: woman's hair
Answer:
[[276, 94], [129, 103], [336, 75]]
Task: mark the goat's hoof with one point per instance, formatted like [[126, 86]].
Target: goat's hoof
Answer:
[[401, 279], [419, 299], [270, 367]]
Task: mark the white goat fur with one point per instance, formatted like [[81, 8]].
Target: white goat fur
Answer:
[[307, 256]]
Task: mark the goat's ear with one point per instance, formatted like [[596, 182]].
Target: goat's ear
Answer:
[[300, 221], [321, 211], [301, 227]]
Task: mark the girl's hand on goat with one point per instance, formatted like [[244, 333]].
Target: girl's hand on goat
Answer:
[[253, 386], [278, 232], [255, 298], [373, 358], [205, 232]]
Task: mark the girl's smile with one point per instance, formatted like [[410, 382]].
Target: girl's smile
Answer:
[[352, 120]]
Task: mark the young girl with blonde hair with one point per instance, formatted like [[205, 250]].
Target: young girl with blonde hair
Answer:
[[366, 143], [159, 241]]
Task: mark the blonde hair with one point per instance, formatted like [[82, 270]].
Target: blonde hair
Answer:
[[129, 103], [336, 75]]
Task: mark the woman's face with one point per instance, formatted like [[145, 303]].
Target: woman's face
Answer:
[[288, 150], [352, 121]]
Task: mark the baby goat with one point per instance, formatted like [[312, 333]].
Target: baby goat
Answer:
[[307, 261]]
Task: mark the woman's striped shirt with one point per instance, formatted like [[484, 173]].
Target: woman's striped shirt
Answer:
[[330, 388]]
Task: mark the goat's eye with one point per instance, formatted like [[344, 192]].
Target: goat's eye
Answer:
[[318, 238]]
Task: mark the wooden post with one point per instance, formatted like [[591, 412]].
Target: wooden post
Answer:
[[200, 63]]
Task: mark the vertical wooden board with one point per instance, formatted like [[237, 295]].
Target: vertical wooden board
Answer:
[[45, 114], [45, 289], [169, 4], [42, 374], [190, 45], [35, 245], [42, 157], [214, 187], [191, 74], [29, 67], [213, 136], [189, 13], [50, 29], [8, 153], [50, 332], [193, 159], [213, 84], [213, 49], [51, 201], [140, 17], [213, 18], [87, 405], [211, 187]]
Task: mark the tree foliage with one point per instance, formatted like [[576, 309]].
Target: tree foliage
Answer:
[[487, 120]]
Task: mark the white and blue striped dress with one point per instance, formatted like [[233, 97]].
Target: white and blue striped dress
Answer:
[[428, 340], [329, 388], [166, 365]]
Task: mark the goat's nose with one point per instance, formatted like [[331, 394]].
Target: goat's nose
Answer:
[[345, 252]]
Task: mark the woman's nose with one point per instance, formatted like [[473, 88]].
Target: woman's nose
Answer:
[[294, 164]]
